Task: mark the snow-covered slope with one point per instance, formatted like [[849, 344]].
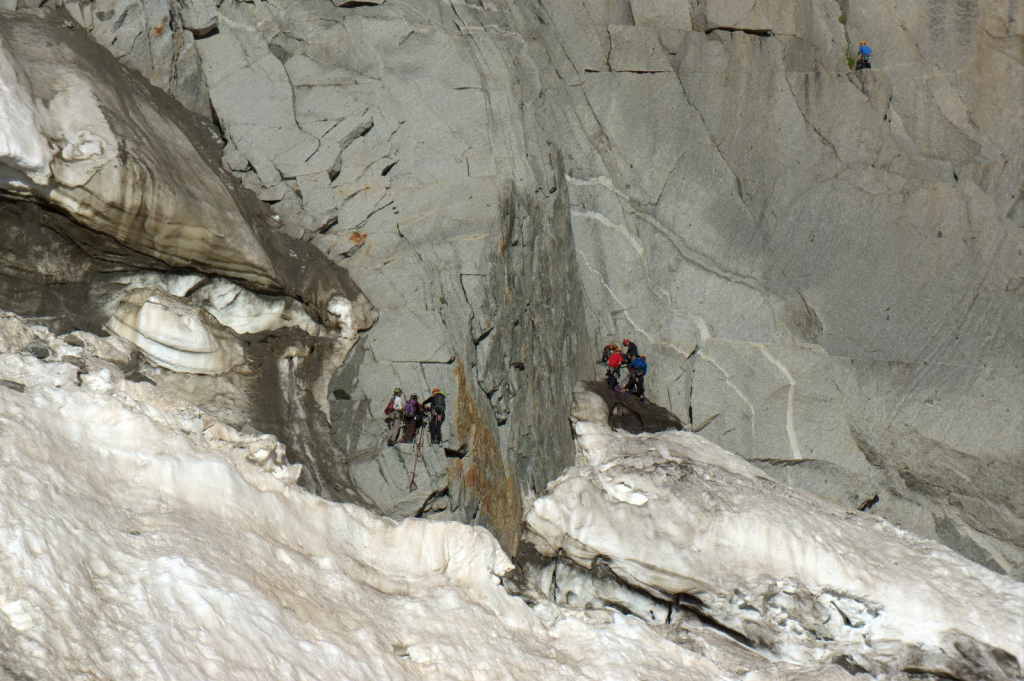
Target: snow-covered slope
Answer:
[[141, 539], [679, 518]]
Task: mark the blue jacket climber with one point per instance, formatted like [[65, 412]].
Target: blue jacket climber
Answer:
[[863, 57], [637, 371], [638, 365]]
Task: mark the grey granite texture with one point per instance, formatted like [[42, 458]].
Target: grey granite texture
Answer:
[[824, 263]]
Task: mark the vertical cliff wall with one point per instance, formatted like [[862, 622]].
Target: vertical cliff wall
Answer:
[[822, 266]]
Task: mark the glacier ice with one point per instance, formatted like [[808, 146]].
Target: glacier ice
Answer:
[[175, 334], [243, 311], [137, 175], [22, 148]]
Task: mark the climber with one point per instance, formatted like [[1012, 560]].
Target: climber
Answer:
[[608, 350], [434, 406], [411, 418], [629, 350], [393, 416], [863, 56], [637, 371], [614, 365]]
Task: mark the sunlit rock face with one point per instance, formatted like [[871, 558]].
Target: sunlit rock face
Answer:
[[821, 266], [690, 525]]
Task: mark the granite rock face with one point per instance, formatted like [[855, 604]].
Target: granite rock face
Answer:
[[401, 482], [157, 38], [821, 266]]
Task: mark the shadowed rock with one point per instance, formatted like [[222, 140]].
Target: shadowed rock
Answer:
[[628, 413]]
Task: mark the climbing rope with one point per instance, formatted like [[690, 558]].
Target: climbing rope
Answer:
[[415, 459]]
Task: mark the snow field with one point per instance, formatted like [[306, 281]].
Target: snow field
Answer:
[[139, 543]]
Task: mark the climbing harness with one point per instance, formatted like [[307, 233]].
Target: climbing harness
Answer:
[[415, 459]]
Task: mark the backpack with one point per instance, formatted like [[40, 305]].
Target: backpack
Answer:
[[412, 407], [639, 366]]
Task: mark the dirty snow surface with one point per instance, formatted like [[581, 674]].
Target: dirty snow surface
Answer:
[[142, 540], [679, 519]]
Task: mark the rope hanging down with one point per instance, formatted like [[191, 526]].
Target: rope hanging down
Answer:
[[415, 459]]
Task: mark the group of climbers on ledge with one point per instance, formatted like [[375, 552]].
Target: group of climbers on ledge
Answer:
[[627, 356], [405, 416]]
